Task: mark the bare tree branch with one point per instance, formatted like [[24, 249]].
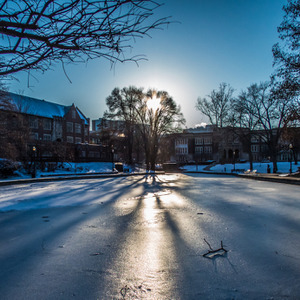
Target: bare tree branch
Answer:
[[37, 33]]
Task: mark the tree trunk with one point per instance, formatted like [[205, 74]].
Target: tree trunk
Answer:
[[129, 149], [251, 160], [274, 161], [153, 156]]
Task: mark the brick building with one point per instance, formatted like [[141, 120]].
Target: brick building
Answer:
[[227, 145], [56, 131]]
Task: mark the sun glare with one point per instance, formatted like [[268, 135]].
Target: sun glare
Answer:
[[153, 104]]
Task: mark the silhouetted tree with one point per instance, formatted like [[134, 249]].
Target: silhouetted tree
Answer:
[[291, 130], [36, 33], [158, 115], [122, 105], [217, 106], [267, 113], [243, 118], [286, 54], [145, 121]]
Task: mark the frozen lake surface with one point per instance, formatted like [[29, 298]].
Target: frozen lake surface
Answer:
[[144, 238]]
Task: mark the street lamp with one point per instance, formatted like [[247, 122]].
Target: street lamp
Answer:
[[33, 175], [112, 157], [291, 156]]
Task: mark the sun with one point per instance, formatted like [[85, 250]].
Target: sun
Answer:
[[154, 103]]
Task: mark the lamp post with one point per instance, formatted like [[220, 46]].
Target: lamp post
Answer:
[[33, 175], [112, 157], [291, 157]]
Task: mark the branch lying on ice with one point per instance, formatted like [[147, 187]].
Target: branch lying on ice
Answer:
[[214, 251]]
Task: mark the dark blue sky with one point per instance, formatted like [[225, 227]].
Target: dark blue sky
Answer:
[[216, 41]]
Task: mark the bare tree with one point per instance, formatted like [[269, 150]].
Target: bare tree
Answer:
[[216, 108], [36, 33], [158, 115], [267, 110], [148, 116], [122, 106], [286, 52], [243, 118]]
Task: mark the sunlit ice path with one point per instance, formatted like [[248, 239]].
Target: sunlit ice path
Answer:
[[144, 238]]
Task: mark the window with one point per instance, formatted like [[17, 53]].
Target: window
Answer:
[[77, 128], [33, 122], [70, 139], [77, 140], [73, 114], [181, 141], [207, 149], [181, 150], [47, 137], [34, 136], [47, 124], [199, 141], [57, 129], [69, 127], [254, 148], [207, 140], [86, 131], [199, 149]]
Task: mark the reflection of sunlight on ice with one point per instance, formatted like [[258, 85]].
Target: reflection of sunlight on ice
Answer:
[[149, 250], [171, 200], [149, 211], [158, 248], [155, 203]]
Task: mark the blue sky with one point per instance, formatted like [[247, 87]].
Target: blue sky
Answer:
[[216, 41]]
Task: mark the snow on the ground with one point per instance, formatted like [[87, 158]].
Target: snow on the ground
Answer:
[[91, 167], [69, 169], [283, 167], [106, 167]]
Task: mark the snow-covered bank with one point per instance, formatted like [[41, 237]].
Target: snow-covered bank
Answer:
[[283, 167], [106, 167], [67, 169]]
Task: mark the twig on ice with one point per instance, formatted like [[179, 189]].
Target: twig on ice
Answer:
[[209, 244], [212, 251]]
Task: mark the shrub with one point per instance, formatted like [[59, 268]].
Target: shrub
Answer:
[[7, 167]]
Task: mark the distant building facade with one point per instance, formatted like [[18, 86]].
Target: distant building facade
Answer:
[[55, 131], [226, 145]]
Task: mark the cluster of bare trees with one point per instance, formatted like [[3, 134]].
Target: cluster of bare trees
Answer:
[[257, 109], [148, 117], [270, 107]]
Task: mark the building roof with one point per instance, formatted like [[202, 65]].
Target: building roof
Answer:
[[41, 108], [200, 129]]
